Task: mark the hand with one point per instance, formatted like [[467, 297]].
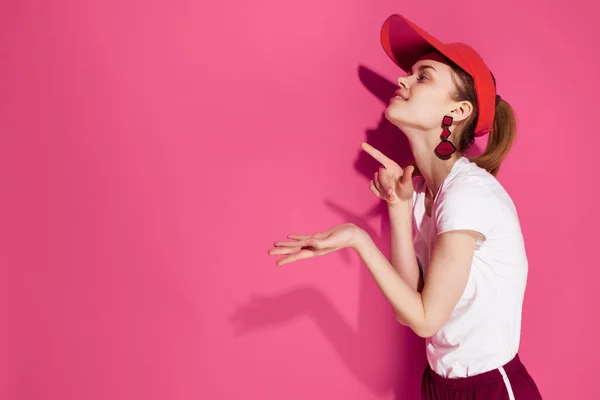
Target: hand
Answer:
[[318, 244], [391, 183]]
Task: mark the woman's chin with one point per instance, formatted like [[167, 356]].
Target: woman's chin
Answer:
[[393, 115]]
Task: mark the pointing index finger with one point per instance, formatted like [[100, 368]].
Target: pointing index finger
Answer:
[[378, 155]]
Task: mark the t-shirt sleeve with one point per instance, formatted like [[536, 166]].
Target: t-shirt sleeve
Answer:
[[466, 204]]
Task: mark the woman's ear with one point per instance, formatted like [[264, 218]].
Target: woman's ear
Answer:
[[462, 110]]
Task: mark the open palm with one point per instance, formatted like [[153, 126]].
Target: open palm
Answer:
[[318, 244]]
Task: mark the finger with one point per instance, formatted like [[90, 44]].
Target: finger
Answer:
[[374, 190], [297, 237], [377, 182], [283, 250], [302, 254], [322, 252], [301, 238], [406, 179], [290, 243], [292, 250], [325, 243], [378, 155], [318, 235], [386, 183]]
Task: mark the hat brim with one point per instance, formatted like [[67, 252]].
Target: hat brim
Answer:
[[405, 43]]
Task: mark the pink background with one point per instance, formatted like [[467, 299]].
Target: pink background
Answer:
[[152, 151]]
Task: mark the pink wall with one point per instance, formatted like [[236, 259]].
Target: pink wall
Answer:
[[153, 151]]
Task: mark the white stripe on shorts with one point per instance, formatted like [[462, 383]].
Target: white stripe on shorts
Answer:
[[511, 395]]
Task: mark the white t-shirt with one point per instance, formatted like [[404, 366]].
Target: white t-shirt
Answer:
[[483, 331]]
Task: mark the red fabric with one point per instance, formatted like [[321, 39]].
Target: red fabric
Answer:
[[404, 42], [486, 386]]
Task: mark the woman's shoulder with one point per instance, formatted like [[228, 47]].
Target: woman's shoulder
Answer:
[[474, 185]]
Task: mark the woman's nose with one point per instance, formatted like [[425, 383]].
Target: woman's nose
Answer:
[[402, 81]]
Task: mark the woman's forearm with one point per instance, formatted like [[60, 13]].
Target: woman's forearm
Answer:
[[402, 250], [406, 301]]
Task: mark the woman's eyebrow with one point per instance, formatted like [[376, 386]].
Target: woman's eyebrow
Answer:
[[421, 68]]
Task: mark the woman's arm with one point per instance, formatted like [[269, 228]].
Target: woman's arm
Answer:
[[402, 251], [447, 277]]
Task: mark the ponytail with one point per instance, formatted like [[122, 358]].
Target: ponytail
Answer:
[[500, 140], [502, 136]]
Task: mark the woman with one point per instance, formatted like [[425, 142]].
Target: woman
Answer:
[[458, 267]]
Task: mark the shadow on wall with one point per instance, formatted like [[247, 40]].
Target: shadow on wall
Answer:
[[382, 354]]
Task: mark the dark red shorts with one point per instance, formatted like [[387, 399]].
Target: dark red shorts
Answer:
[[509, 382]]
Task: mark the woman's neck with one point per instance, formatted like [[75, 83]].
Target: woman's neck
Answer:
[[433, 169]]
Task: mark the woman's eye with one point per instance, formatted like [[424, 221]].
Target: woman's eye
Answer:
[[421, 76]]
